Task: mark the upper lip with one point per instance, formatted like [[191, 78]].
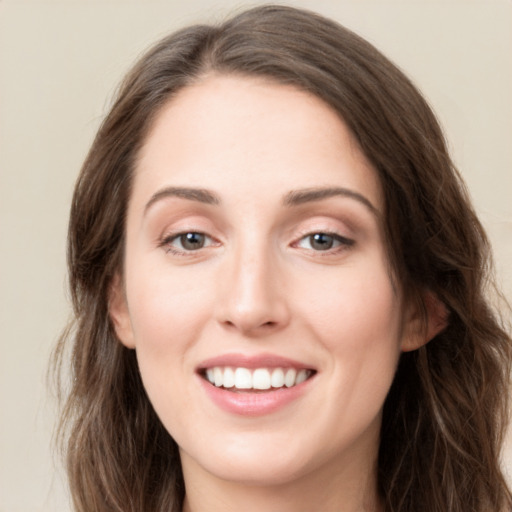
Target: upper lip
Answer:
[[253, 361]]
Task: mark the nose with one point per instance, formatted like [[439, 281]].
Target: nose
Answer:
[[253, 296]]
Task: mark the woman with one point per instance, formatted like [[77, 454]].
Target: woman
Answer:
[[278, 283]]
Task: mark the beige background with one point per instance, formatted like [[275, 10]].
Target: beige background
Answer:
[[59, 64]]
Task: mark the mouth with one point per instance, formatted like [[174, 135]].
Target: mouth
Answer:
[[251, 380], [254, 385]]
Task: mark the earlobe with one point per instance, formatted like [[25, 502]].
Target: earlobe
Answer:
[[119, 313], [423, 326]]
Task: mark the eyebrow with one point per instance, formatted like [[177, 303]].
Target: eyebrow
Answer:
[[201, 195], [293, 198], [308, 195]]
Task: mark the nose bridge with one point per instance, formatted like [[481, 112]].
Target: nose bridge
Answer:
[[253, 298]]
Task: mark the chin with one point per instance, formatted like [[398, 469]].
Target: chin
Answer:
[[258, 473], [241, 461]]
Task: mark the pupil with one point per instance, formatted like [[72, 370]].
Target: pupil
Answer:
[[192, 241], [321, 241]]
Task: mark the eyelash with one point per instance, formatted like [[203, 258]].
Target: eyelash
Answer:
[[340, 242], [167, 242]]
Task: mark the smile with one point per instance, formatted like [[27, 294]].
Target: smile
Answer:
[[244, 379], [254, 385]]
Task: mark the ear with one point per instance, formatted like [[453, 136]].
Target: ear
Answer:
[[119, 313], [418, 330]]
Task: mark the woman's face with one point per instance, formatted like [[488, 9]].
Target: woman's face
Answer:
[[257, 292]]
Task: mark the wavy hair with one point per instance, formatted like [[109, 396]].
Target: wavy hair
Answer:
[[446, 412]]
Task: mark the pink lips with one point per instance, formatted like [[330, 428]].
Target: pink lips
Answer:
[[251, 362], [247, 402]]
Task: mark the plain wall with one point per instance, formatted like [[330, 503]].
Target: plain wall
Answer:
[[59, 64]]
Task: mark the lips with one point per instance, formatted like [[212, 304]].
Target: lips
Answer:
[[252, 385]]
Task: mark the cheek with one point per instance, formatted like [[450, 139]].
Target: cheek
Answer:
[[168, 314], [357, 311], [167, 310], [359, 324]]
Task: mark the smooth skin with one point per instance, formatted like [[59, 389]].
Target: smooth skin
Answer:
[[284, 255]]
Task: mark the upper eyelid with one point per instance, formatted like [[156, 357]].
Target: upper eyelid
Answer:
[[176, 234], [169, 234], [325, 228], [344, 239], [182, 226]]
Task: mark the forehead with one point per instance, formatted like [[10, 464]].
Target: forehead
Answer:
[[247, 133]]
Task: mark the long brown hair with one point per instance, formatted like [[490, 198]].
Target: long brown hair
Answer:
[[445, 414]]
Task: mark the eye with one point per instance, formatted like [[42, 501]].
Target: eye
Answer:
[[323, 241], [186, 242]]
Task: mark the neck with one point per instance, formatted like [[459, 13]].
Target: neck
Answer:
[[346, 489]]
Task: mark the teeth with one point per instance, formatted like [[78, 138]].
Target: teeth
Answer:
[[289, 378], [277, 379], [260, 378], [302, 375], [229, 378], [243, 378], [218, 376]]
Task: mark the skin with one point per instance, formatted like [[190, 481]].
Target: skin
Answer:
[[258, 285]]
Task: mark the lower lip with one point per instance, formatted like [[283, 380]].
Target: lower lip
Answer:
[[253, 404]]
